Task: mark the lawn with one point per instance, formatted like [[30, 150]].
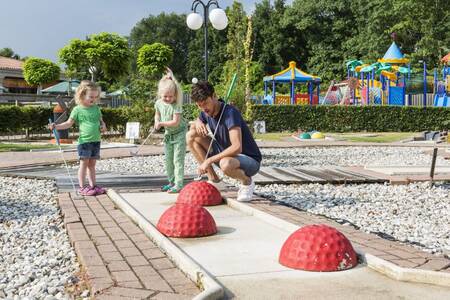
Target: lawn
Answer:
[[24, 147], [376, 137], [272, 136]]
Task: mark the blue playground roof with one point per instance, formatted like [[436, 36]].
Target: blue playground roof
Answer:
[[393, 55], [292, 73]]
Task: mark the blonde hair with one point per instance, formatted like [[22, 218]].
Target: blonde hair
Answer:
[[169, 83], [83, 88]]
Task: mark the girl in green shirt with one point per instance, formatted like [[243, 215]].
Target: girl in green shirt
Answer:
[[168, 114], [88, 116]]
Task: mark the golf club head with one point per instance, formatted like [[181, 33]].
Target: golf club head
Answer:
[[76, 196], [199, 178]]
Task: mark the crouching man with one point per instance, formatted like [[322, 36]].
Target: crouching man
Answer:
[[233, 148]]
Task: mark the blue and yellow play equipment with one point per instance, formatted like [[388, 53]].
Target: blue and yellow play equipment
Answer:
[[442, 90], [292, 75]]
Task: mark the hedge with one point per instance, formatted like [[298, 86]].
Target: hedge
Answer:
[[14, 119], [350, 118]]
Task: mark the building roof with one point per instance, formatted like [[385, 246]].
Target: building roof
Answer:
[[7, 63]]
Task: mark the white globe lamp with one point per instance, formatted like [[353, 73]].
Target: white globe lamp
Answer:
[[194, 21], [218, 18]]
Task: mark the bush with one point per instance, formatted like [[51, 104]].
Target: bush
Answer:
[[350, 118]]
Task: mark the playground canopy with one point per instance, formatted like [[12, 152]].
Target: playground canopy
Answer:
[[292, 75], [393, 56]]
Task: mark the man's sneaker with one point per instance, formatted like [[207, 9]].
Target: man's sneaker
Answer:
[[220, 185], [245, 192], [99, 190], [88, 191]]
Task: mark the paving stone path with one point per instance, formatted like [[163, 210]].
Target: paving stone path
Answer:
[[119, 260]]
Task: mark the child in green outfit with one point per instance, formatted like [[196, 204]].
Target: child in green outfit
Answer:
[[88, 116], [168, 114]]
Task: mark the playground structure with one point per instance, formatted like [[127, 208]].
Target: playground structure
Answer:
[[442, 93], [389, 82], [292, 75]]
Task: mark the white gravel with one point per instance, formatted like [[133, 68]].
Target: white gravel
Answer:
[[312, 156], [411, 213], [36, 259]]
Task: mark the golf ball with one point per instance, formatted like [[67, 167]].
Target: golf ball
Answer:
[[194, 80]]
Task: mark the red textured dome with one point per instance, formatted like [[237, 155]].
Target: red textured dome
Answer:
[[318, 248], [185, 220], [200, 193]]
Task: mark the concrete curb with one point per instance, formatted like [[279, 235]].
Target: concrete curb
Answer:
[[212, 290], [380, 265]]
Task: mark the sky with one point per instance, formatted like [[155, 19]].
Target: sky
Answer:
[[41, 27]]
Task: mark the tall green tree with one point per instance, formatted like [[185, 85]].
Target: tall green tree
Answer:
[[38, 71], [237, 30], [108, 53], [167, 29], [324, 26], [153, 59], [273, 41]]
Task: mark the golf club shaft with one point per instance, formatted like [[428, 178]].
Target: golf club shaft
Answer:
[[230, 90], [55, 133], [148, 136]]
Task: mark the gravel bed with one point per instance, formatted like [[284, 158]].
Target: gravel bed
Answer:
[[413, 213], [36, 258], [313, 156]]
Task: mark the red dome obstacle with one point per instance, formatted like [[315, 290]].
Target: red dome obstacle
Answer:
[[318, 248], [185, 220], [200, 193]]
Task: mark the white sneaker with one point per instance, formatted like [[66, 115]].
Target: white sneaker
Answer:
[[220, 185], [245, 192]]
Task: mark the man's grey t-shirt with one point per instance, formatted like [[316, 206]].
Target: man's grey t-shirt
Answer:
[[232, 118]]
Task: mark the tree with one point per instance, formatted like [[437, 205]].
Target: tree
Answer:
[[153, 59], [107, 52], [237, 30], [167, 29], [271, 39], [38, 71], [8, 52]]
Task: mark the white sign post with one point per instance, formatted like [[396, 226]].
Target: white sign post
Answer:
[[132, 131], [259, 127]]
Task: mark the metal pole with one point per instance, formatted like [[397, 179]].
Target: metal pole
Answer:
[[424, 84], [205, 23], [433, 165]]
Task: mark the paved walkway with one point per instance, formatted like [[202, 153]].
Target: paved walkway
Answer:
[[120, 261], [400, 254], [15, 159]]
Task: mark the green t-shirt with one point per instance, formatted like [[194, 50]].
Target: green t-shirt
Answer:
[[166, 112], [88, 120]]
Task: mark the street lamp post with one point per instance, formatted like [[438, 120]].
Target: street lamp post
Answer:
[[217, 17]]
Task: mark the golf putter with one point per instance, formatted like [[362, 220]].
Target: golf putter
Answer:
[[134, 153], [55, 133]]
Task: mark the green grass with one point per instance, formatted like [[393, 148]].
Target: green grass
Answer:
[[272, 136], [377, 137], [24, 147]]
